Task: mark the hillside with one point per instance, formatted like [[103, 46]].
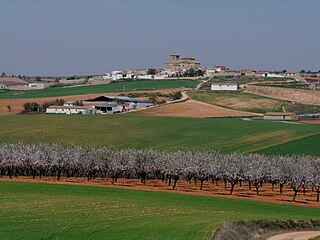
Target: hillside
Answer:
[[168, 133], [103, 88]]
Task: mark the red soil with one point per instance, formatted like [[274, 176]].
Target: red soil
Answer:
[[315, 122], [209, 189]]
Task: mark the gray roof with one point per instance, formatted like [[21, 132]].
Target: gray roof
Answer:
[[127, 99]]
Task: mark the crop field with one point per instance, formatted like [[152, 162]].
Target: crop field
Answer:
[[105, 88], [165, 133], [239, 101], [53, 211]]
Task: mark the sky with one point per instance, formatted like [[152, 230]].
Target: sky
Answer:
[[67, 37]]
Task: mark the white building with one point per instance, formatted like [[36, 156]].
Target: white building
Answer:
[[270, 75], [151, 77], [224, 87], [71, 110], [117, 75], [3, 86], [38, 85], [280, 116]]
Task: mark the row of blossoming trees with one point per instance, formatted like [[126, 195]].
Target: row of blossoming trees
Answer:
[[37, 160]]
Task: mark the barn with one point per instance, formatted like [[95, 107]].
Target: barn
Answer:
[[109, 108], [280, 116], [132, 102], [224, 87]]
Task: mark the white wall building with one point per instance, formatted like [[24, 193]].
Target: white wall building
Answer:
[[151, 77], [70, 110], [38, 85], [280, 116], [224, 87]]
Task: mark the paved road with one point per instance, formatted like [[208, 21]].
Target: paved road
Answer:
[[296, 236]]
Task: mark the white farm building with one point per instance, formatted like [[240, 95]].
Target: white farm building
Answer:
[[280, 116], [224, 87], [70, 110]]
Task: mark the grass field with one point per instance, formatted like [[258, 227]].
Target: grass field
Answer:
[[112, 87], [49, 211], [169, 133], [239, 101]]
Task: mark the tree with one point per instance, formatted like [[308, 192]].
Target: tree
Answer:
[[3, 74], [152, 97]]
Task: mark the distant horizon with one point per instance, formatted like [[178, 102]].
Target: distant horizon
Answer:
[[65, 38]]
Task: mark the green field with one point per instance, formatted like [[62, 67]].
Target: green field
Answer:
[[239, 101], [49, 211], [165, 133], [105, 88]]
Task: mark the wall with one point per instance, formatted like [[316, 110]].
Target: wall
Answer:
[[224, 87]]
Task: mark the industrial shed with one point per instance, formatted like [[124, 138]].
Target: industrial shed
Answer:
[[109, 108], [280, 116], [132, 102]]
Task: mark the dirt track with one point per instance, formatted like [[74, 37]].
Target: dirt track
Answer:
[[192, 108], [295, 95], [16, 104], [314, 122], [209, 189], [296, 236]]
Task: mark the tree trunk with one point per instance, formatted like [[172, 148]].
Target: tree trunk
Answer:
[[281, 188], [174, 184], [295, 194], [257, 189], [233, 184], [201, 184]]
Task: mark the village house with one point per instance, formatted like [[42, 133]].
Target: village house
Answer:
[[3, 86], [224, 86]]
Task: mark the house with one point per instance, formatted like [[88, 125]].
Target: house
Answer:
[[3, 86], [280, 116], [38, 85], [269, 75], [109, 108], [224, 87], [71, 110]]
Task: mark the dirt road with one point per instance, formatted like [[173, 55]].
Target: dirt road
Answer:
[[296, 236]]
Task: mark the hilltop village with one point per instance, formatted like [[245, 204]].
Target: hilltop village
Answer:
[[197, 82]]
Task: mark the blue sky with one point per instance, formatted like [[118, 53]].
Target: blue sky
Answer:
[[66, 37]]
